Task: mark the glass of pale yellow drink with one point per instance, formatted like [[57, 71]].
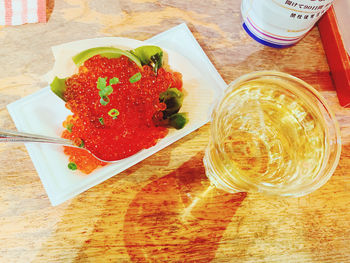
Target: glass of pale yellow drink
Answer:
[[272, 133]]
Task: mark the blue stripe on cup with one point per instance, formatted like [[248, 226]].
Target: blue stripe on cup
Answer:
[[263, 41]]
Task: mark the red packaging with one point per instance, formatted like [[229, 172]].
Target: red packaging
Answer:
[[338, 58]]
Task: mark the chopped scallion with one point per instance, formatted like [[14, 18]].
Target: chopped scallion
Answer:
[[72, 166], [101, 120], [104, 100], [135, 77], [113, 113], [105, 90], [101, 82], [113, 81]]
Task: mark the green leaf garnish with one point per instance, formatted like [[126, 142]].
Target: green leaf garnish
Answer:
[[178, 120], [72, 166], [156, 61], [113, 113], [150, 55], [173, 99], [135, 77]]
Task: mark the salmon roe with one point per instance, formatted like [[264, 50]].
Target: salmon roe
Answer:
[[93, 124]]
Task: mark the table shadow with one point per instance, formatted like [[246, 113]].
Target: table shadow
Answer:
[[177, 219]]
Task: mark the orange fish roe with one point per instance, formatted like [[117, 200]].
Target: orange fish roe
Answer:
[[84, 161], [127, 123]]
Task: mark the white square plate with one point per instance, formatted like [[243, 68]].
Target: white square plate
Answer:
[[43, 112]]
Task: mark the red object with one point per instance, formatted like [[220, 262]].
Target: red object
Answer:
[[137, 104], [338, 58], [18, 12]]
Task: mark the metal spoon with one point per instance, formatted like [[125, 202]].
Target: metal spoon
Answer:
[[14, 136]]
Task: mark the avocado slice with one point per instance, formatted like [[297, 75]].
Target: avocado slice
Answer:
[[109, 52], [58, 86], [150, 55]]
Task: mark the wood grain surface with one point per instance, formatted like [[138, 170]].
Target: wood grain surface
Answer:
[[142, 214]]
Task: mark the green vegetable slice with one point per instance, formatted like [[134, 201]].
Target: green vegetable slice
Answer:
[[113, 81], [173, 99], [178, 120], [104, 100], [58, 86], [150, 55], [104, 90], [109, 52], [135, 78], [113, 113], [69, 127], [72, 166], [101, 120]]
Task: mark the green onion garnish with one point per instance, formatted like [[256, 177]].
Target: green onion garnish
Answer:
[[113, 113], [101, 120], [135, 77], [113, 81], [104, 100], [105, 90], [72, 166], [101, 82]]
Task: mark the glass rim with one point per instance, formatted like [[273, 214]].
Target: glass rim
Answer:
[[324, 175]]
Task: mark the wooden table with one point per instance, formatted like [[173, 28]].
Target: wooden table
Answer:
[[140, 214]]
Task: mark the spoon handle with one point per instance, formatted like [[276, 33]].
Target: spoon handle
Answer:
[[14, 136]]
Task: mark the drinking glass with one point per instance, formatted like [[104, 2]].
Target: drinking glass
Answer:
[[272, 133]]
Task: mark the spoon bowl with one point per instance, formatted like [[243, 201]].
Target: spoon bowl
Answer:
[[24, 137]]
